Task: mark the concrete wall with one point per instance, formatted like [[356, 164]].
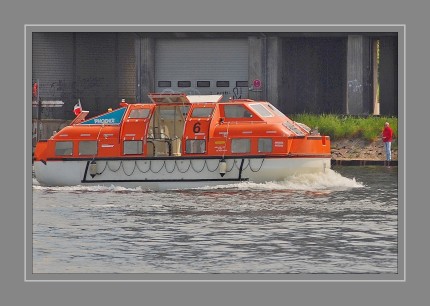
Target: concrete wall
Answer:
[[313, 78]]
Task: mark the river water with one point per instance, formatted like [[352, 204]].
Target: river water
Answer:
[[343, 221]]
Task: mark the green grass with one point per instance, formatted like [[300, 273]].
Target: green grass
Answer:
[[342, 126]]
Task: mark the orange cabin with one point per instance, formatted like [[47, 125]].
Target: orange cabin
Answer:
[[174, 125]]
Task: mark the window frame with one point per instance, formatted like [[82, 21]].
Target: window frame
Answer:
[[137, 110], [222, 84], [64, 142], [229, 116], [125, 142], [204, 84], [184, 84], [242, 84], [265, 139], [202, 108], [254, 107], [189, 145], [234, 140], [81, 142], [160, 84]]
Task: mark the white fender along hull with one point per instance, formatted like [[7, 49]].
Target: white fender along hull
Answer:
[[164, 174]]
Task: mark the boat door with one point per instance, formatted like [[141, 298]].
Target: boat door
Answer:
[[135, 128], [197, 129]]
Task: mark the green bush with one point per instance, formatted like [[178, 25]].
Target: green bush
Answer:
[[343, 126]]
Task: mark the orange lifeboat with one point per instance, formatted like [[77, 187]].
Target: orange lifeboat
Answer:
[[180, 141]]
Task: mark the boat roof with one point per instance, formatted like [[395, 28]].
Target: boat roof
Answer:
[[182, 98], [204, 98]]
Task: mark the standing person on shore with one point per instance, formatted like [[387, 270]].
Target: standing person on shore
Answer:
[[387, 138]]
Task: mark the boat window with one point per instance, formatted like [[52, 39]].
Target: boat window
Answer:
[[139, 113], [293, 128], [167, 112], [133, 147], [63, 148], [202, 112], [242, 145], [304, 126], [184, 110], [88, 147], [184, 83], [195, 146], [236, 111], [264, 145], [275, 110], [261, 110], [164, 84]]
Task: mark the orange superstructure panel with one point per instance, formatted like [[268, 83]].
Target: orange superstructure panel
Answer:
[[166, 126], [310, 145], [40, 152]]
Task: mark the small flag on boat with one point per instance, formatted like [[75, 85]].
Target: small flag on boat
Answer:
[[78, 108]]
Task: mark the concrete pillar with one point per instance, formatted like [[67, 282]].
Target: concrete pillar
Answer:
[[145, 67], [388, 76], [256, 67], [274, 70], [359, 78]]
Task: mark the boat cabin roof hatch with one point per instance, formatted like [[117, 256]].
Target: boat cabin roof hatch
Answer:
[[182, 98], [204, 98], [80, 118]]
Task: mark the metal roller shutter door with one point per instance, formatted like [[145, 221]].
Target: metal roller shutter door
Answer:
[[98, 68], [219, 63]]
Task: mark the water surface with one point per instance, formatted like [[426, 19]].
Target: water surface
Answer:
[[344, 221]]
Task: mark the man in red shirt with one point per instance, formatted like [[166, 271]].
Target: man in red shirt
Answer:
[[387, 138]]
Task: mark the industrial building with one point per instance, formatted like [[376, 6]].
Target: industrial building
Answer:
[[313, 72]]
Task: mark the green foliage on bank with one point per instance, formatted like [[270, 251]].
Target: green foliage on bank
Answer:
[[342, 126]]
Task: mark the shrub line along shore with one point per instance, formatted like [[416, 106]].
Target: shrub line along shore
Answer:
[[355, 140]]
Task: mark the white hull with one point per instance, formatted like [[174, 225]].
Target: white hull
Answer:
[[163, 174]]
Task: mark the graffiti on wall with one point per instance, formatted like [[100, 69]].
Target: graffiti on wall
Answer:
[[237, 93], [63, 88], [355, 86]]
